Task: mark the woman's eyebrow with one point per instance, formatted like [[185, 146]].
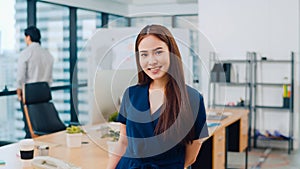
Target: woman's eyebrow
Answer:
[[158, 48]]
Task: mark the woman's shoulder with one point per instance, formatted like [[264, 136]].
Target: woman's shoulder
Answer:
[[138, 96], [192, 92], [136, 91], [137, 88]]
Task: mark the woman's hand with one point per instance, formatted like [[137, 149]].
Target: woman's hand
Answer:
[[119, 149], [192, 151]]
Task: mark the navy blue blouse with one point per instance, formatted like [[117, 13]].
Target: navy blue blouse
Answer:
[[146, 149]]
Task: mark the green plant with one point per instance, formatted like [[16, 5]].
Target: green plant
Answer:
[[114, 135], [74, 129], [113, 117]]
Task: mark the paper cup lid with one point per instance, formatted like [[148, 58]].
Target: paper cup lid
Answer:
[[27, 142]]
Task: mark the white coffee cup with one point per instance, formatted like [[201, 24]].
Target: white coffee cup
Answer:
[[26, 149]]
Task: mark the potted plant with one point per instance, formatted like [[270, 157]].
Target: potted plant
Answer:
[[74, 134], [113, 117], [113, 137]]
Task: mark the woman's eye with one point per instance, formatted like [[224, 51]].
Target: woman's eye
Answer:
[[158, 52], [143, 55]]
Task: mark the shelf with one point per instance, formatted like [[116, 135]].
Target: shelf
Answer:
[[220, 105], [273, 61], [271, 107], [244, 86], [235, 61], [276, 136], [288, 109], [232, 84], [272, 139], [270, 84]]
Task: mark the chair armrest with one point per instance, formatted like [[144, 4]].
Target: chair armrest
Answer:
[[40, 133]]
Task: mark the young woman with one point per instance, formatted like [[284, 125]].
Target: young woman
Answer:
[[163, 119]]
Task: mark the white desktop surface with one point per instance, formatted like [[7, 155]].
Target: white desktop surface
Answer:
[[10, 155], [88, 156]]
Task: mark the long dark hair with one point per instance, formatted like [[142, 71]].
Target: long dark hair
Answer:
[[177, 100]]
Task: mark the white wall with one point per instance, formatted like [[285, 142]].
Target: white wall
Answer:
[[268, 27]]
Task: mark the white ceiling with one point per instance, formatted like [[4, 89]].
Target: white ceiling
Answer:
[[157, 7], [135, 7]]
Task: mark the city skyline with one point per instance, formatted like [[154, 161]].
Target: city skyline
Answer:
[[7, 24], [54, 38]]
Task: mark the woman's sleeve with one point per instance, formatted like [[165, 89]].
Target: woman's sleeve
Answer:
[[200, 125], [122, 112]]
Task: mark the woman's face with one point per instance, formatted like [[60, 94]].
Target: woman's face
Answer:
[[154, 57]]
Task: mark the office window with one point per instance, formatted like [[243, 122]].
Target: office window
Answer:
[[117, 21], [11, 123], [143, 21], [61, 99], [191, 23], [12, 25], [87, 24], [53, 22]]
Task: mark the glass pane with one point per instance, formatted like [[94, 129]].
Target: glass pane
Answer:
[[12, 25], [11, 122], [87, 22], [191, 23], [143, 21], [117, 21], [83, 105], [61, 101], [11, 20], [53, 22]]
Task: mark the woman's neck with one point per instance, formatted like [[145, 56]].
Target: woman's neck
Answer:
[[159, 83], [156, 84]]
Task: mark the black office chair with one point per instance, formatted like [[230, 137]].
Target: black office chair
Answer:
[[3, 143], [41, 115]]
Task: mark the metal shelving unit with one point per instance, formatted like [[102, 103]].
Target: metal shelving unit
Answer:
[[261, 85], [247, 64]]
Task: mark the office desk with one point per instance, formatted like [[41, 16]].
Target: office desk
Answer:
[[230, 135], [92, 156], [89, 156]]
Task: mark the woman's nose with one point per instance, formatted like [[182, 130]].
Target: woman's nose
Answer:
[[152, 60]]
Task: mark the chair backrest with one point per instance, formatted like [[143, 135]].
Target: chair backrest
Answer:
[[41, 114]]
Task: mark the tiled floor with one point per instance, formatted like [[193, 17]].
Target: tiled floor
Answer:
[[275, 159]]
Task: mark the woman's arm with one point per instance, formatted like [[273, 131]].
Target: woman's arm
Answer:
[[119, 149], [192, 151]]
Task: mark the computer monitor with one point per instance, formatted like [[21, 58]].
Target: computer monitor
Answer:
[[109, 86]]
